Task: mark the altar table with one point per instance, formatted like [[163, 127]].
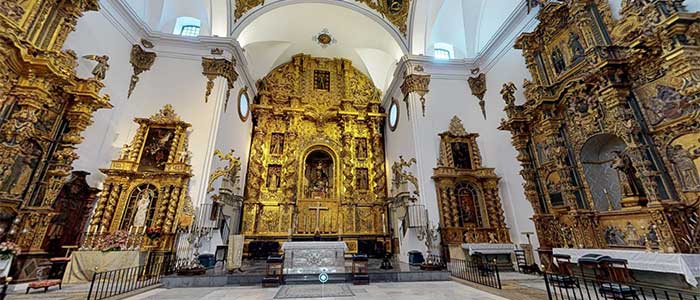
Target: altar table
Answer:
[[84, 264], [314, 257], [502, 253], [687, 265]]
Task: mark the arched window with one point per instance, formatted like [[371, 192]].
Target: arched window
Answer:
[[141, 207], [187, 26], [469, 208], [443, 51]]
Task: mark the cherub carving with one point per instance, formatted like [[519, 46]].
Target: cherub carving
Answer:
[[508, 93]]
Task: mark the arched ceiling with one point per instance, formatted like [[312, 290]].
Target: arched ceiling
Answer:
[[274, 37]]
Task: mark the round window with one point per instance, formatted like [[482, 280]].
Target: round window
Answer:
[[243, 104], [393, 115]]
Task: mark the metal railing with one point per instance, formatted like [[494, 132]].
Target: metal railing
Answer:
[[578, 287], [121, 281], [484, 273]]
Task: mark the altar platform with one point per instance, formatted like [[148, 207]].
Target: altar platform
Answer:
[[255, 271]]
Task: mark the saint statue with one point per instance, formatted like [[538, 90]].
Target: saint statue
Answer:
[[627, 173], [558, 61], [142, 205], [318, 183], [577, 50]]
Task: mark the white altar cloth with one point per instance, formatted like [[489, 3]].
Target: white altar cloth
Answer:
[[687, 265], [485, 248], [314, 257]]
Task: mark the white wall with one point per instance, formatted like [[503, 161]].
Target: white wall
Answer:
[[175, 78]]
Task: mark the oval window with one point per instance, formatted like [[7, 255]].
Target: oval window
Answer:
[[393, 115], [243, 104]]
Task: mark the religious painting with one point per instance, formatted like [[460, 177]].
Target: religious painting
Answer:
[[558, 61], [17, 175], [318, 175], [577, 51], [274, 173], [668, 103], [156, 149], [460, 155], [277, 144], [322, 80], [467, 199], [361, 148], [362, 179]]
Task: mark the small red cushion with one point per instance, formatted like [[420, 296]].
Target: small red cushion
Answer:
[[44, 283]]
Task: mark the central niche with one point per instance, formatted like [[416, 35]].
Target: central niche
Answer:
[[318, 175]]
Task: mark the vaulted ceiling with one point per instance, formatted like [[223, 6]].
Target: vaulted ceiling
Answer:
[[364, 31]]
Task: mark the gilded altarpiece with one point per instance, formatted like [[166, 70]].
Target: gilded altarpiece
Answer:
[[317, 160], [146, 187], [608, 134], [467, 192], [44, 108]]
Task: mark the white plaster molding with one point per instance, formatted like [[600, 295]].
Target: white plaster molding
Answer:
[[127, 22], [364, 10]]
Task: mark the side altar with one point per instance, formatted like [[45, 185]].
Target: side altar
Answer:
[[314, 257]]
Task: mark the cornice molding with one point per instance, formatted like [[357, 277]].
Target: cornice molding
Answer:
[[127, 22]]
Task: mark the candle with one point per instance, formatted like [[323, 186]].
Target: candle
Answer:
[[383, 224]]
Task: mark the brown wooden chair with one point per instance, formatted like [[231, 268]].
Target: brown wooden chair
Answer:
[[616, 279], [562, 273]]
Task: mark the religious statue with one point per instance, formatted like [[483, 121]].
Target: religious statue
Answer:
[[362, 179], [100, 70], [142, 205], [508, 93], [577, 50], [124, 153], [629, 183], [558, 61], [401, 177], [361, 149], [631, 236], [318, 183], [277, 144], [273, 177], [684, 167]]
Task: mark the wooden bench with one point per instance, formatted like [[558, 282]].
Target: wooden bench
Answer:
[[45, 284]]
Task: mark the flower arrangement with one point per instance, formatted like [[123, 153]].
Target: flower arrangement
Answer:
[[8, 249], [114, 241], [154, 233]]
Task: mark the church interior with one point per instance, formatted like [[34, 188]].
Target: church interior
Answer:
[[279, 149]]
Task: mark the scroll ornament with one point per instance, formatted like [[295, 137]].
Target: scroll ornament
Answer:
[[214, 67], [478, 86], [141, 61], [418, 83]]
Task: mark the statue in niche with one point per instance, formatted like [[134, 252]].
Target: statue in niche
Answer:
[[142, 206], [157, 150], [558, 61], [277, 144], [460, 156], [577, 51], [124, 153], [273, 177], [362, 179], [361, 149], [684, 167], [318, 175], [627, 173]]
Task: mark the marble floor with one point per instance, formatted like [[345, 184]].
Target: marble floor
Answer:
[[447, 290]]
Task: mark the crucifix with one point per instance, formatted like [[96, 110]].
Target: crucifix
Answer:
[[318, 208]]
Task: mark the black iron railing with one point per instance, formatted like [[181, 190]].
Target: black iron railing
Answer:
[[566, 287], [121, 281], [484, 273]]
